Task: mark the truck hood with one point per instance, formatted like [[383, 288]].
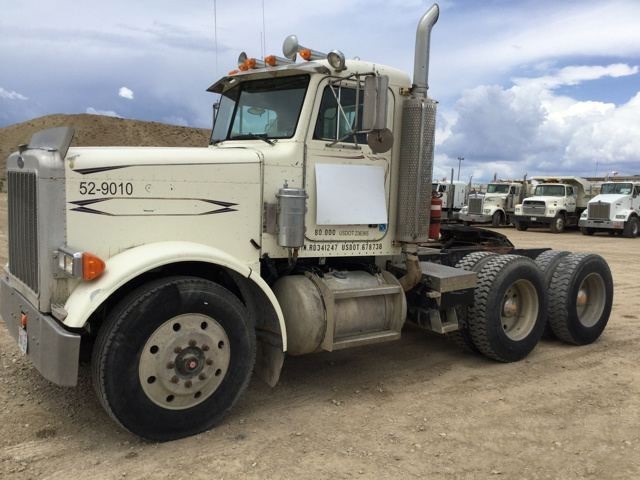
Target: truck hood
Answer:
[[542, 199], [85, 160], [608, 198]]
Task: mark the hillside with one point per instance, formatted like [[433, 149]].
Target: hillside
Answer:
[[98, 130]]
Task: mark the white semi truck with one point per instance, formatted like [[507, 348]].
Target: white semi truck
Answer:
[[615, 210], [454, 197], [557, 202], [300, 229], [496, 206]]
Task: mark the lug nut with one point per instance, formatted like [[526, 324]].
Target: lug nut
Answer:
[[187, 384], [192, 343], [205, 348], [202, 376], [174, 379], [209, 361], [171, 365]]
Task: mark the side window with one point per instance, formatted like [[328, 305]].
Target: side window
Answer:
[[335, 123], [636, 190], [569, 190], [512, 190]]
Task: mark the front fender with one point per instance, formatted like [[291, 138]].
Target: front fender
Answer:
[[125, 266]]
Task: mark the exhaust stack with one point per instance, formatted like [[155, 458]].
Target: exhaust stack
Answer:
[[423, 44], [417, 145]]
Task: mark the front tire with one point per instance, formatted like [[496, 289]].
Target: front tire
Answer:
[[587, 231], [173, 357], [580, 298], [631, 228], [507, 318], [496, 219], [558, 223], [521, 226]]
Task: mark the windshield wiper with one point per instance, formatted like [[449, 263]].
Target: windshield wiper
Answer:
[[251, 136]]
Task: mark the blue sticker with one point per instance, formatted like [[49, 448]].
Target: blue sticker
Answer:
[[382, 227]]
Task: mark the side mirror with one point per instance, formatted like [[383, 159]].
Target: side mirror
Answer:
[[374, 111], [216, 109]]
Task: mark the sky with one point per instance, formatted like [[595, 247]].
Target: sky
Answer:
[[525, 87]]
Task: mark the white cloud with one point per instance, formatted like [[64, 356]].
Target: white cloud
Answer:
[[529, 128], [106, 113], [573, 75], [126, 92], [11, 95]]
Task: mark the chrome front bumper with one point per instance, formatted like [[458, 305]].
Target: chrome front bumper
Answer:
[[618, 225], [54, 351], [474, 217]]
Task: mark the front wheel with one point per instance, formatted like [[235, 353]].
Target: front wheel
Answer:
[[587, 230], [521, 226], [496, 219], [631, 228], [558, 223], [173, 357]]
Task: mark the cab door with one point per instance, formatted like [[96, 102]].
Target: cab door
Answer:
[[571, 199], [348, 185]]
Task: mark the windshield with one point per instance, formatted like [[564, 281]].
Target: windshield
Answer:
[[497, 188], [619, 188], [549, 191], [266, 108]]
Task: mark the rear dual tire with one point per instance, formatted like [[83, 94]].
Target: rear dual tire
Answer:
[[580, 298], [507, 319]]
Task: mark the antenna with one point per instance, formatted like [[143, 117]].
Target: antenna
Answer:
[[264, 32], [215, 33]]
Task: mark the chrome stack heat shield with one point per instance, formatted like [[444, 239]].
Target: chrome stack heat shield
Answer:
[[416, 169]]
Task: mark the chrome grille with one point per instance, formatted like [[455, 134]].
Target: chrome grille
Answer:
[[533, 207], [475, 205], [23, 227], [599, 211]]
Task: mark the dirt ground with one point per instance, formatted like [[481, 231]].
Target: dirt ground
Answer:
[[417, 408]]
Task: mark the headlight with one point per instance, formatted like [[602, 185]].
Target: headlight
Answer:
[[584, 214], [621, 216], [552, 211], [83, 265], [487, 211], [518, 209]]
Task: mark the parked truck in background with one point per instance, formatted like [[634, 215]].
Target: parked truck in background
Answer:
[[302, 228], [453, 195], [497, 205], [557, 202], [615, 210]]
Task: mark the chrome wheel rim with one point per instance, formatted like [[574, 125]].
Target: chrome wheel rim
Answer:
[[559, 223], [184, 361], [519, 310], [590, 299]]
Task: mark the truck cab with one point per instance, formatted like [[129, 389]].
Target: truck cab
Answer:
[[556, 202], [614, 210], [454, 197], [496, 206]]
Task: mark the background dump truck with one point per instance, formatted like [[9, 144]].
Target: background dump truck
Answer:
[[557, 202], [301, 228], [614, 211], [497, 205], [453, 195]]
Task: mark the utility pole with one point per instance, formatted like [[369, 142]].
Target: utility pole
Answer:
[[460, 159]]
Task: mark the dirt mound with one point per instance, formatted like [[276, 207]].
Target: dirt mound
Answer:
[[98, 130]]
